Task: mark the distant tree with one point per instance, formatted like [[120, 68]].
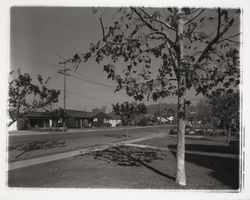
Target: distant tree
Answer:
[[128, 111], [55, 115], [226, 107], [24, 96], [98, 110], [193, 48], [203, 111], [143, 121], [95, 110], [85, 123], [22, 124]]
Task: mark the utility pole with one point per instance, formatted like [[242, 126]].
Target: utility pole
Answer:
[[63, 71]]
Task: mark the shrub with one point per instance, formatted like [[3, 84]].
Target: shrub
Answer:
[[22, 124], [107, 124], [173, 131], [85, 123], [199, 132], [143, 122], [119, 124]]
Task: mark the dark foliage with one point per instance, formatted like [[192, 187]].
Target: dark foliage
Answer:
[[85, 123], [128, 111], [226, 108], [24, 96], [22, 124], [128, 156]]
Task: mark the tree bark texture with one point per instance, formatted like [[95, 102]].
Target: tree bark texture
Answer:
[[181, 78], [180, 154]]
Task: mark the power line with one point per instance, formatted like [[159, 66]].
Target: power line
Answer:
[[88, 97], [37, 61], [85, 96], [92, 81], [34, 51], [83, 78]]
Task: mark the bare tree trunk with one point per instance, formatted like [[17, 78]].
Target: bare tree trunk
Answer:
[[180, 154], [181, 79]]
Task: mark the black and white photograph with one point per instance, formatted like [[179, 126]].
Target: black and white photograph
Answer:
[[128, 98]]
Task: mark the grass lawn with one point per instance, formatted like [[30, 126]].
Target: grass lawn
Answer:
[[212, 144], [131, 167]]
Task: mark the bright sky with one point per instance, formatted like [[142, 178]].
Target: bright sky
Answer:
[[40, 35]]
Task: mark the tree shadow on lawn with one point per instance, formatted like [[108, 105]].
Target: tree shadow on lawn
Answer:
[[37, 145], [132, 157], [225, 170]]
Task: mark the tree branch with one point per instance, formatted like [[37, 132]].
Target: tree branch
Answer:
[[235, 35], [154, 29], [113, 43], [194, 10], [158, 20], [216, 39], [226, 39], [143, 20], [157, 33], [197, 15], [217, 54], [173, 59], [103, 33], [219, 21]]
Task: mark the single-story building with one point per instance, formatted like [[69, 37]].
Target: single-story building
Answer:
[[36, 120], [74, 119], [100, 120]]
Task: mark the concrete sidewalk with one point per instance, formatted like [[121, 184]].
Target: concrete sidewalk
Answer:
[[43, 159]]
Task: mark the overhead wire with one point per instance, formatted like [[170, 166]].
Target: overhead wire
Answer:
[[82, 77], [36, 61], [79, 76], [85, 96], [92, 81]]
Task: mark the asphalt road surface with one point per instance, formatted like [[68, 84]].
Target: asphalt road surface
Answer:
[[36, 145]]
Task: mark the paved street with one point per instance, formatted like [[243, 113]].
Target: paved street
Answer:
[[32, 145]]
